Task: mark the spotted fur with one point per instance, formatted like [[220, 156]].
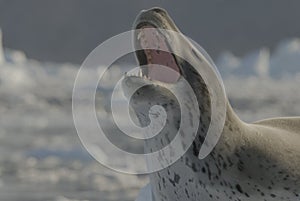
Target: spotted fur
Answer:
[[251, 162]]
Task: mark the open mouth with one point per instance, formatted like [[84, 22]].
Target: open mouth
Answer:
[[157, 64]]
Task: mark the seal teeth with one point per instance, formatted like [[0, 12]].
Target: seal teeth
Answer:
[[138, 73], [157, 35], [166, 36], [140, 34]]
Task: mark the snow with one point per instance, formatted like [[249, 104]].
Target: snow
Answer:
[[41, 155], [145, 194], [283, 61]]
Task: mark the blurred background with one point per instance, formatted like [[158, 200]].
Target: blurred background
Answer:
[[255, 45]]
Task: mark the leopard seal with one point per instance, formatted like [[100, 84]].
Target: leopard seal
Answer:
[[257, 161]]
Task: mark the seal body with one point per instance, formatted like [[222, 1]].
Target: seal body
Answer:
[[258, 161]]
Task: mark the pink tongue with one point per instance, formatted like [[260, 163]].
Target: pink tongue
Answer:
[[163, 69], [161, 64]]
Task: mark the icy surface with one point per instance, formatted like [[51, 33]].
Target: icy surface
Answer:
[[41, 155]]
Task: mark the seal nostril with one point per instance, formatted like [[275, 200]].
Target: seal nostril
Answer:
[[158, 10]]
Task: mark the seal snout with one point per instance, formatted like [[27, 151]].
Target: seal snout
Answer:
[[154, 10]]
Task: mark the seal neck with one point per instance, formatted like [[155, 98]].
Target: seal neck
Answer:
[[233, 134], [231, 116]]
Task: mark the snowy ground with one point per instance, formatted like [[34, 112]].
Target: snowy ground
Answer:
[[42, 157]]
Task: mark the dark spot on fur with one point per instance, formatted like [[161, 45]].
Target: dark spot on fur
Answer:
[[239, 188]]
